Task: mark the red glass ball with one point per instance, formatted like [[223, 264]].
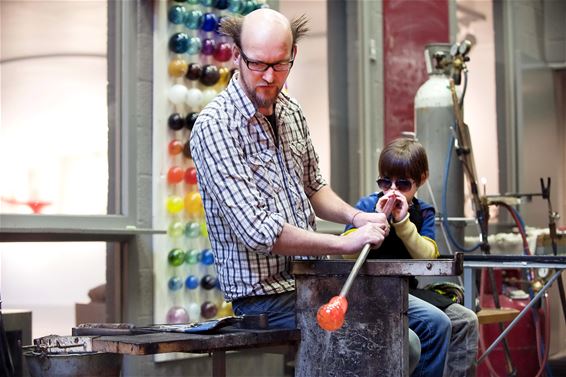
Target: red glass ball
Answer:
[[175, 175], [223, 52], [191, 176]]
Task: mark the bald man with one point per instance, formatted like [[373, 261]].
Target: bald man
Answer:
[[259, 178]]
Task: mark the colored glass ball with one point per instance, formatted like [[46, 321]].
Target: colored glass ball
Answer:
[[223, 52], [208, 46], [177, 67], [176, 14], [177, 314], [194, 46], [203, 229], [208, 95], [210, 75], [192, 230], [220, 19], [191, 282], [175, 175], [191, 176], [194, 311], [175, 229], [175, 283], [208, 282], [179, 43], [193, 256], [235, 6], [193, 19], [190, 120], [174, 204], [209, 22], [249, 6], [187, 150], [221, 4], [208, 310], [193, 205], [193, 2], [194, 98], [225, 309], [224, 76], [194, 71], [207, 257], [176, 122], [176, 257], [208, 3], [175, 147], [177, 94]]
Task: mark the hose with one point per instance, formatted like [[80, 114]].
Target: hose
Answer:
[[444, 216]]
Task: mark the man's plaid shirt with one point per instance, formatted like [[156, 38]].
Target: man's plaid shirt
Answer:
[[250, 187]]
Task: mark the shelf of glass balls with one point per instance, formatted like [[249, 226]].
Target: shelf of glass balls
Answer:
[[199, 68]]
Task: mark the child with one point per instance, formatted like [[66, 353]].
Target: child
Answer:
[[448, 331]]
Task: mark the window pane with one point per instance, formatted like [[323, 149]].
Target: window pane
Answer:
[[54, 119], [53, 281]]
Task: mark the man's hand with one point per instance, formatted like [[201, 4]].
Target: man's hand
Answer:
[[363, 218], [372, 233]]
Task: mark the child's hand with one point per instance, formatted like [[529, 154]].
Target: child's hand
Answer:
[[393, 204], [386, 203], [400, 208]]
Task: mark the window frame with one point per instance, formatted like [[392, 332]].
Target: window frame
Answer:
[[122, 154]]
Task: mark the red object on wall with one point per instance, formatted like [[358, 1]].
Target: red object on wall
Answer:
[[408, 26]]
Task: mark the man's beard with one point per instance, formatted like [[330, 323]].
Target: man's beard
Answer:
[[260, 102]]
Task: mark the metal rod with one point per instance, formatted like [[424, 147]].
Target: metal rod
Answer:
[[361, 259], [523, 312]]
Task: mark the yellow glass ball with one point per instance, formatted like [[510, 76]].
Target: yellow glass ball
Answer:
[[177, 67]]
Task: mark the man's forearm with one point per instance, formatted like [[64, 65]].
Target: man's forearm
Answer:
[[329, 206]]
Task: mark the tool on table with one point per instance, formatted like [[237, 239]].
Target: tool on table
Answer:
[[252, 322]]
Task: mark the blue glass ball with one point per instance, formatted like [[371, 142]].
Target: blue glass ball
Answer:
[[194, 46], [179, 43], [207, 257], [208, 3], [176, 14], [209, 22], [175, 283], [235, 6], [191, 282], [193, 19]]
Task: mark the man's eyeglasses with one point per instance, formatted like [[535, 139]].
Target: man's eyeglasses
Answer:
[[262, 67], [402, 184]]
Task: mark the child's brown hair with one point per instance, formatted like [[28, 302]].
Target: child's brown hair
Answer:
[[404, 158]]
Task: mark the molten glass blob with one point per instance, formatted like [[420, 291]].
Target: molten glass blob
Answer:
[[330, 317]]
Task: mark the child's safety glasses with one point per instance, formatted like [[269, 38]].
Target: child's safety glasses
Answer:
[[402, 184]]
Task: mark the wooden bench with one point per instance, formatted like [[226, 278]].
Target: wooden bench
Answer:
[[226, 339], [489, 315]]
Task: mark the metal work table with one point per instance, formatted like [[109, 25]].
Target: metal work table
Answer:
[[226, 339], [374, 338]]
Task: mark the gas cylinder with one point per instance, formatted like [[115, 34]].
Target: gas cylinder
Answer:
[[434, 117]]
